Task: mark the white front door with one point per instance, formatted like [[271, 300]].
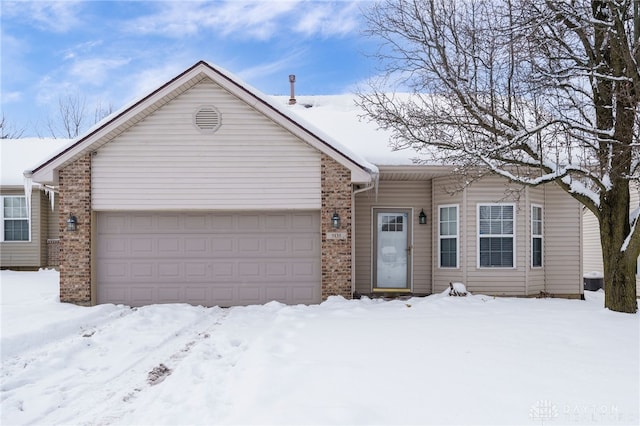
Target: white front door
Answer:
[[392, 252]]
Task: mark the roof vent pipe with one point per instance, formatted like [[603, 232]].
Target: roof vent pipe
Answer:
[[292, 81]]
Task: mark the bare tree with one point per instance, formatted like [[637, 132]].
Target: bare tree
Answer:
[[101, 111], [8, 131], [73, 119], [71, 116], [535, 91]]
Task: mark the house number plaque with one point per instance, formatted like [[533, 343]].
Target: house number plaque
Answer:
[[336, 235]]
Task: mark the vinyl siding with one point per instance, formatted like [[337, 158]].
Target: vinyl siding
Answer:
[[165, 163], [394, 194], [30, 254], [563, 258], [591, 248], [536, 276], [442, 195], [561, 235], [495, 281]]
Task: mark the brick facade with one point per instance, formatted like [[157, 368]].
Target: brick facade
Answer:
[[75, 246], [53, 253], [336, 253]]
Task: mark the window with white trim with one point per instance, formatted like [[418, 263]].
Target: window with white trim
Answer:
[[15, 219], [496, 236], [448, 236], [536, 236]]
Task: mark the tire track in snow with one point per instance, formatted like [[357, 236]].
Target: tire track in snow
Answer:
[[110, 366], [119, 405]]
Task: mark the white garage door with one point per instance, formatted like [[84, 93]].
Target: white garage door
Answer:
[[209, 259]]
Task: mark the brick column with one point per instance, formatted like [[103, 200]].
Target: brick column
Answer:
[[75, 246], [336, 253]]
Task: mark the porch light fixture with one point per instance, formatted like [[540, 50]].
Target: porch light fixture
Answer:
[[335, 220], [72, 223], [422, 217]]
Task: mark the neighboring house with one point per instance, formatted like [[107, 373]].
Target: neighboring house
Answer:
[[591, 246], [208, 192], [28, 230]]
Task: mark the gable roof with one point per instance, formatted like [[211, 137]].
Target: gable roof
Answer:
[[362, 171]]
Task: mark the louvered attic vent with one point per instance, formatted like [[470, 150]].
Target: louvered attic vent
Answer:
[[207, 119]]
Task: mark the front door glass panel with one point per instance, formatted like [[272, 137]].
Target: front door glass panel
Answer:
[[392, 250]]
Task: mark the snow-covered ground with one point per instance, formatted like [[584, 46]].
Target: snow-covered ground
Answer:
[[434, 360]]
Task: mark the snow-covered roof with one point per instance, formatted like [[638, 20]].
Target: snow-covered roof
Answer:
[[362, 170], [340, 119], [18, 155]]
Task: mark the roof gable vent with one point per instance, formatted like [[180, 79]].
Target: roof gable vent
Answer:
[[207, 119]]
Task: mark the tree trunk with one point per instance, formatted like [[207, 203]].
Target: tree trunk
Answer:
[[619, 266], [620, 283]]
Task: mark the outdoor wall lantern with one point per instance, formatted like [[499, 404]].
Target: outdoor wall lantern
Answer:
[[335, 220], [72, 223], [422, 217]]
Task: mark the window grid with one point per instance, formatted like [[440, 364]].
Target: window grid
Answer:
[[448, 236], [496, 236], [392, 223], [536, 236], [15, 219]]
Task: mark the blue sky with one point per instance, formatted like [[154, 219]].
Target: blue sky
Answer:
[[109, 52]]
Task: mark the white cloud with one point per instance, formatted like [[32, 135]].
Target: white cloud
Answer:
[[260, 20], [96, 70], [81, 48], [151, 78], [56, 16], [328, 19], [9, 97], [270, 68]]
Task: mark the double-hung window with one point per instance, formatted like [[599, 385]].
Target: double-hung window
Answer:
[[496, 236], [15, 219], [536, 236], [448, 236]]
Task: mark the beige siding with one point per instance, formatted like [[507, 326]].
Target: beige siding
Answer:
[[166, 163], [591, 248], [415, 195], [496, 281], [535, 277], [561, 240], [563, 265], [443, 194], [30, 254]]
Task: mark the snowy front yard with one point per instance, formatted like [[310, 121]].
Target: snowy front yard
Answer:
[[434, 360]]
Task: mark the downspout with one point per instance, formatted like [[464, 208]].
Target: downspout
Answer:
[[368, 187]]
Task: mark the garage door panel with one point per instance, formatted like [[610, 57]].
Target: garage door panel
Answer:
[[222, 245], [140, 271], [169, 246], [277, 293], [250, 294], [169, 222], [249, 222], [196, 245], [210, 259], [169, 271]]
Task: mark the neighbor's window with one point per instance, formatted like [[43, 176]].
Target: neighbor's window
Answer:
[[15, 221], [496, 236], [448, 236], [536, 236]]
